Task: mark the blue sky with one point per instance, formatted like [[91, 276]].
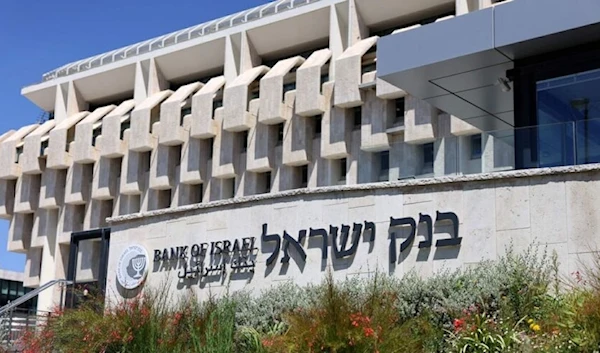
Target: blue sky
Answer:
[[38, 36]]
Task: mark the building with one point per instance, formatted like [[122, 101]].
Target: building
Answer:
[[11, 288], [301, 135]]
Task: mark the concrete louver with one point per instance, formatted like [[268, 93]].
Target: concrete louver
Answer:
[[309, 98], [272, 107], [348, 75], [236, 101], [173, 130]]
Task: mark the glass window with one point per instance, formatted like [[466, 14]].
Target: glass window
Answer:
[[428, 157], [476, 146], [95, 133], [357, 116], [244, 141], [304, 176], [217, 104], [343, 167], [318, 121], [568, 114], [400, 111], [3, 287], [384, 165], [280, 128], [12, 290]]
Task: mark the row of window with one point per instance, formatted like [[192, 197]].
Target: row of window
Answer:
[[11, 290]]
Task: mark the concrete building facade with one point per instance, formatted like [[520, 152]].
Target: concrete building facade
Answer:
[[292, 131]]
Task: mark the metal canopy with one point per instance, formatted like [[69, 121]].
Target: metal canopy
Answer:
[[458, 65]]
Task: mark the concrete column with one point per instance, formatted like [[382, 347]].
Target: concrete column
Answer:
[[466, 6], [105, 181], [11, 154], [79, 184], [375, 116], [420, 122], [7, 198], [68, 101], [224, 151], [249, 58], [33, 264], [52, 191], [357, 30], [233, 45], [27, 193], [446, 153], [297, 135], [336, 129], [19, 232], [148, 80], [262, 138]]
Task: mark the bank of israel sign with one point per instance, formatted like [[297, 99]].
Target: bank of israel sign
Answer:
[[133, 267]]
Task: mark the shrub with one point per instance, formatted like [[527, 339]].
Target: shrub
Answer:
[[510, 305]]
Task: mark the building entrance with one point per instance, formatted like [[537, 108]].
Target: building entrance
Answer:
[[87, 272]]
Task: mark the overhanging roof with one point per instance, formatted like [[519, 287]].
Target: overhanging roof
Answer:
[[455, 64]]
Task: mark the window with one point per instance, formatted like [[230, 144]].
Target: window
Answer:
[[126, 124], [44, 145], [476, 147], [428, 157], [254, 89], [218, 103], [357, 116], [317, 121], [369, 61], [18, 153], [146, 159], [265, 182], [228, 191], [324, 78], [343, 166], [185, 111], [4, 288], [304, 176], [50, 115], [384, 165], [244, 141], [211, 142], [400, 110], [288, 87], [95, 133], [280, 128]]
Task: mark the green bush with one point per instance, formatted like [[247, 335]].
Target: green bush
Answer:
[[513, 304]]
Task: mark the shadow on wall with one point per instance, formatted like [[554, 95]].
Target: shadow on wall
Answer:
[[8, 260]]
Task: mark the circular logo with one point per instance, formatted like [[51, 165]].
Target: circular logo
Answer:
[[133, 267]]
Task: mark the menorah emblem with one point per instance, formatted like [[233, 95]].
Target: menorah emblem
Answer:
[[138, 264]]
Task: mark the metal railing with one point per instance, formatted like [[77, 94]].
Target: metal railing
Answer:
[[34, 293], [181, 36]]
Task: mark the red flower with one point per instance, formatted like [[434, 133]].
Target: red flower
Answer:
[[459, 324]]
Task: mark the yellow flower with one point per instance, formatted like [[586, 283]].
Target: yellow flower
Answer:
[[536, 328], [530, 321]]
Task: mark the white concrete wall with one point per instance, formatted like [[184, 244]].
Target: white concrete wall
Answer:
[[539, 208]]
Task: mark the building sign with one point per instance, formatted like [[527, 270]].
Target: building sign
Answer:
[[133, 267], [214, 258], [218, 257]]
